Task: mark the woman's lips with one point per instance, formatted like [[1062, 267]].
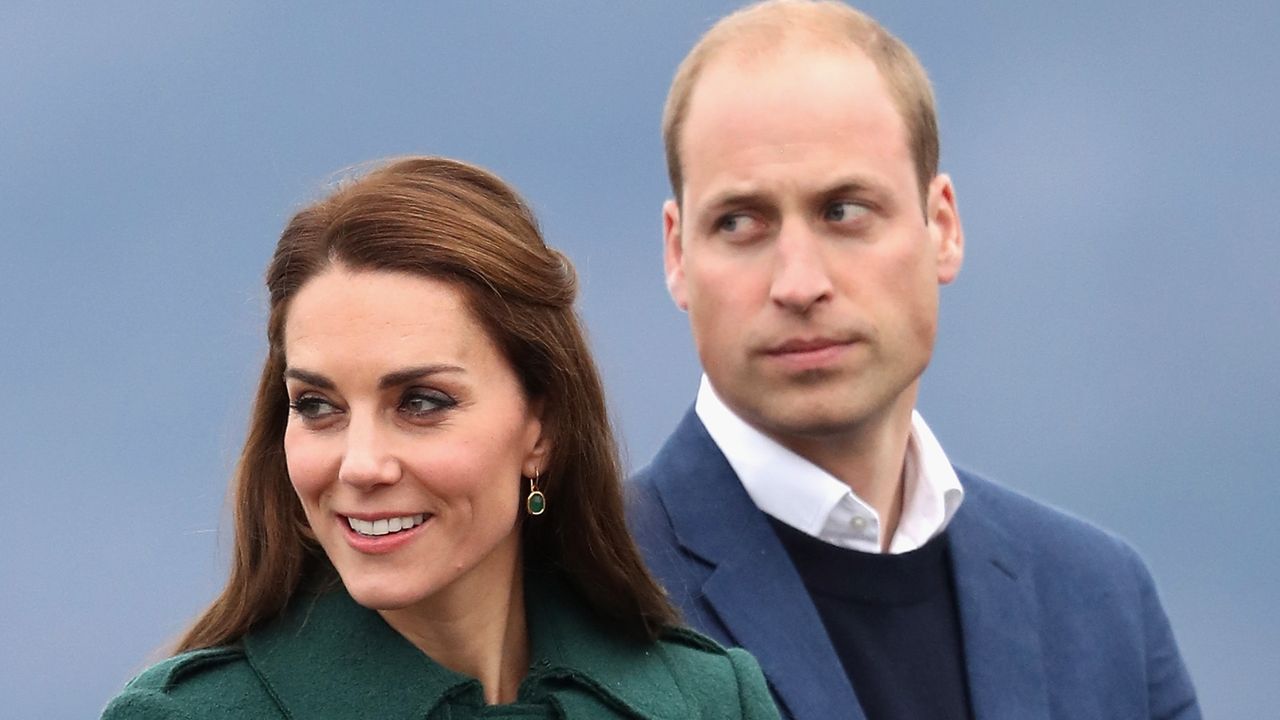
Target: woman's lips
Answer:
[[384, 525], [375, 536]]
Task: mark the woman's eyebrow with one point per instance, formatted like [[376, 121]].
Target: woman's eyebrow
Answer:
[[408, 375], [309, 378]]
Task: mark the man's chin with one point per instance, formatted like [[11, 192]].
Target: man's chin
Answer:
[[815, 427], [815, 414]]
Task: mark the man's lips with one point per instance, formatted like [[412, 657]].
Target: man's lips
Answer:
[[806, 345], [806, 354]]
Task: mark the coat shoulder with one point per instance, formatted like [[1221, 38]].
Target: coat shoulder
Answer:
[[718, 681], [207, 683]]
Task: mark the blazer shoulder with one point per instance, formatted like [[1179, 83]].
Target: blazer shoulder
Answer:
[[1069, 550], [1097, 592], [720, 682], [647, 517], [640, 494], [207, 683], [1037, 521]]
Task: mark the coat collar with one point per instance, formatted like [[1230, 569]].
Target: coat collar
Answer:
[[754, 588], [569, 642], [328, 656], [995, 591]]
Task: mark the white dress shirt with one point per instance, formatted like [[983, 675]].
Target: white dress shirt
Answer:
[[795, 491]]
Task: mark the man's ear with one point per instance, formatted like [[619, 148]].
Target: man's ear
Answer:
[[673, 254], [944, 228]]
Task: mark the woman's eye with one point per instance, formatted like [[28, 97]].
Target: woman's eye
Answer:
[[313, 407], [419, 403], [844, 211]]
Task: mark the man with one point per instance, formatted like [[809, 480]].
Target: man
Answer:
[[803, 509]]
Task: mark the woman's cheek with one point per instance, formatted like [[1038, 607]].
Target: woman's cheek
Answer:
[[307, 464]]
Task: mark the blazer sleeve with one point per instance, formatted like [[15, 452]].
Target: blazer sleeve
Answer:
[[1171, 696], [753, 692]]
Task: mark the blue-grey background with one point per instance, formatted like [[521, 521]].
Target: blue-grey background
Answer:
[[1112, 345]]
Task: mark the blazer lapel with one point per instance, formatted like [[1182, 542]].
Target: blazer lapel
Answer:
[[754, 589], [996, 594]]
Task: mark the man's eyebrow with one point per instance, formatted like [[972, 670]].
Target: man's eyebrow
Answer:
[[852, 186], [734, 197], [309, 378], [754, 196], [408, 375]]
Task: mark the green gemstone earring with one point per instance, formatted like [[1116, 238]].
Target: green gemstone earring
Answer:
[[536, 502]]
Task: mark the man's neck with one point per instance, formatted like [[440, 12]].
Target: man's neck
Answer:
[[869, 458]]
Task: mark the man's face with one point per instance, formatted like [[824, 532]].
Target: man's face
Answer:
[[801, 251]]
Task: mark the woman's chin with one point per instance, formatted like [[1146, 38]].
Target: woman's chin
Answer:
[[377, 595]]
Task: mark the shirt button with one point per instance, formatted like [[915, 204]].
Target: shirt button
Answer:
[[859, 523]]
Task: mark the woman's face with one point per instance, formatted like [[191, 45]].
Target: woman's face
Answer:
[[407, 437]]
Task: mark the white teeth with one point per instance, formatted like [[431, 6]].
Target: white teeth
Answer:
[[385, 526]]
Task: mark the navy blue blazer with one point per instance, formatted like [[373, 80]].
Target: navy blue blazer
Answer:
[[1059, 619]]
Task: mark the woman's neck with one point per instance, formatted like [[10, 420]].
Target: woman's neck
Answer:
[[476, 627]]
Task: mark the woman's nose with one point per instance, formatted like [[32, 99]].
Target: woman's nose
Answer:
[[367, 460]]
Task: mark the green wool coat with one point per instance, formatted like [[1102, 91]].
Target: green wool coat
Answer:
[[328, 657]]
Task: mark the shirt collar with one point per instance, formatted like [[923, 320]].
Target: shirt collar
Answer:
[[814, 502], [328, 656]]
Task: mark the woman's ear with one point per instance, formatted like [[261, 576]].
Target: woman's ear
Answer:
[[539, 441]]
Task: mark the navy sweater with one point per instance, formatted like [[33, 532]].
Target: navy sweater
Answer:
[[893, 622]]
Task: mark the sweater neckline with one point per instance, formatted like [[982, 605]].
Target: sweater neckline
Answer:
[[870, 578]]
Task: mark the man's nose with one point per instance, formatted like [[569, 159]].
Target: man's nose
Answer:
[[367, 461], [801, 277]]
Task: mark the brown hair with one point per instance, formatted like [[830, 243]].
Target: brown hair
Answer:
[[443, 219], [773, 23]]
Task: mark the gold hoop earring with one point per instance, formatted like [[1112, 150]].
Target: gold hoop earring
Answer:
[[535, 503]]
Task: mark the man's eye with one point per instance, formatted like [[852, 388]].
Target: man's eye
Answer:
[[736, 223], [313, 407], [420, 403], [844, 211]]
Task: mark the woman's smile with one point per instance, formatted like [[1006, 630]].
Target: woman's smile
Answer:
[[385, 525], [378, 537]]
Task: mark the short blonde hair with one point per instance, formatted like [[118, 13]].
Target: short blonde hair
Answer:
[[772, 24]]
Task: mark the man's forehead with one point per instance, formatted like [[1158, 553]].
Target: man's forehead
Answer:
[[791, 53], [824, 84], [810, 105]]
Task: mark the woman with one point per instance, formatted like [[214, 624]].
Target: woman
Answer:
[[428, 511]]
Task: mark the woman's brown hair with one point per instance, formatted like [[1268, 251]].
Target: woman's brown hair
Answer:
[[445, 220]]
